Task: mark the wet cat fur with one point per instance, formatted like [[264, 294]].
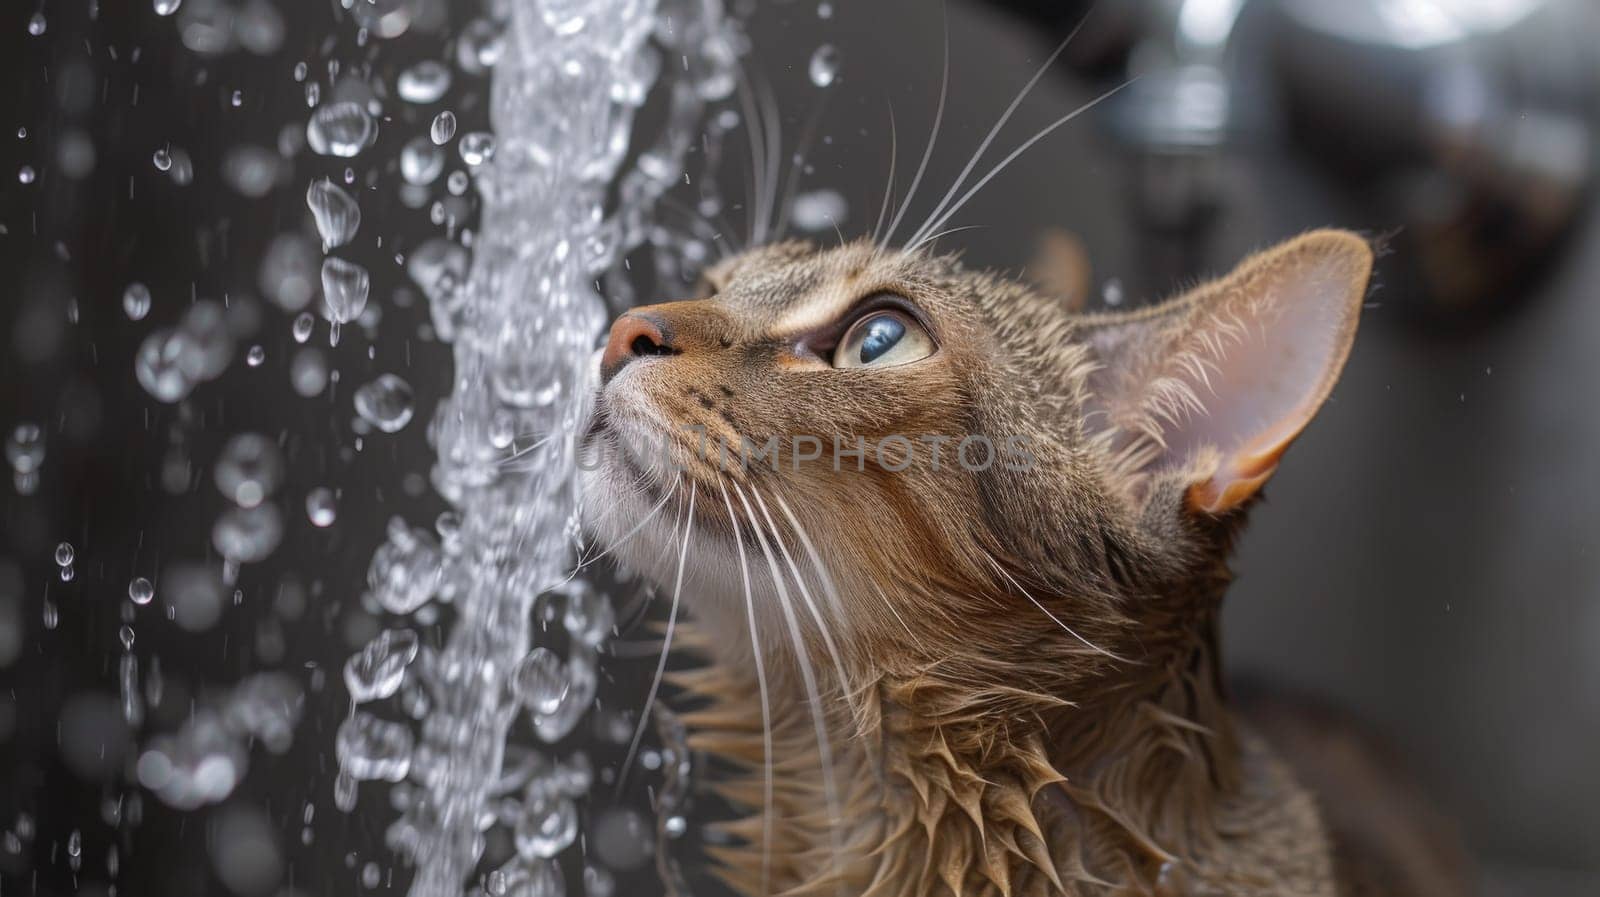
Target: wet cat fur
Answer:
[[1014, 672]]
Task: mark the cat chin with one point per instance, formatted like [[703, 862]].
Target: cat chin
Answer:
[[713, 574]]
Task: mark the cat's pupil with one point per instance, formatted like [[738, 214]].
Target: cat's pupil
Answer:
[[882, 334]]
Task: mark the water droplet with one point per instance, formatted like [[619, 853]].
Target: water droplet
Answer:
[[25, 174], [248, 535], [373, 748], [136, 301], [548, 825], [524, 877], [540, 681], [443, 127], [308, 372], [140, 591], [1111, 293], [598, 881], [819, 210], [166, 7], [476, 148], [25, 448], [344, 791], [589, 617], [288, 272], [376, 671], [336, 213], [421, 161], [64, 554], [301, 329], [480, 46], [621, 838], [406, 570], [344, 289], [320, 508], [161, 364], [824, 67], [249, 469], [424, 82], [193, 596], [386, 403], [825, 10], [37, 24], [457, 182], [340, 129], [162, 159], [255, 356]]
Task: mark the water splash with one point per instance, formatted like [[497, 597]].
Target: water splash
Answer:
[[568, 79]]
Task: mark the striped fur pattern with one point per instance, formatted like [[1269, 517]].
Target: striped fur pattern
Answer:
[[940, 681]]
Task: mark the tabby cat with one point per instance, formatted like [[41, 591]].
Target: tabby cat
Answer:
[[954, 555]]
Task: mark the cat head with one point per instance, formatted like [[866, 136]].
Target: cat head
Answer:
[[895, 465]]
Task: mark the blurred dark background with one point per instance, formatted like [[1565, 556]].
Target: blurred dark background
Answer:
[[1428, 558]]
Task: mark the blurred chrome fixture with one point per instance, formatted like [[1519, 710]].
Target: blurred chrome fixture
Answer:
[[1178, 114], [1471, 124]]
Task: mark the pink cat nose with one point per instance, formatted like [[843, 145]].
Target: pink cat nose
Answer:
[[634, 335]]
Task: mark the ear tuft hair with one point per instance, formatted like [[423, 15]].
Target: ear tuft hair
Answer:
[[1222, 379]]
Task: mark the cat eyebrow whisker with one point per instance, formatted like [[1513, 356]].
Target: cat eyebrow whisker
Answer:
[[929, 240], [940, 217], [933, 135], [764, 128], [888, 188], [666, 646], [761, 686], [808, 134], [755, 232], [808, 676], [995, 131]]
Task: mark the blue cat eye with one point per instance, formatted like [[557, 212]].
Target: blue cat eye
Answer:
[[881, 335], [882, 339]]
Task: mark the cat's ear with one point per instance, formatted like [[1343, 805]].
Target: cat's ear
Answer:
[[1219, 381]]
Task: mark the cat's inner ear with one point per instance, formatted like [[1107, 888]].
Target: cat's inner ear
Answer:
[[1219, 381]]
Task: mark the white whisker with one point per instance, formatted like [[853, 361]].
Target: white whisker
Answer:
[[942, 218], [823, 629], [796, 168], [766, 704], [584, 563], [808, 676], [888, 189], [666, 647], [933, 135], [757, 231], [993, 133], [1046, 611]]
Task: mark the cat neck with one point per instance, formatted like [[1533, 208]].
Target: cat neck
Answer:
[[1149, 786]]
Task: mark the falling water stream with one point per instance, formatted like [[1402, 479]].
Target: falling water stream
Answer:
[[523, 325], [465, 705]]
